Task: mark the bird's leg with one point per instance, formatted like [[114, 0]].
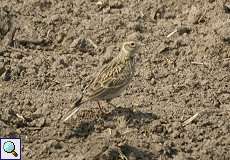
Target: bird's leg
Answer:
[[98, 103], [108, 101]]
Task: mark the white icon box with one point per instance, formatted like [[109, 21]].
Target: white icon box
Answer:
[[10, 149]]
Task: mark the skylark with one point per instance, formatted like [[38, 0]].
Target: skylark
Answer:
[[112, 79]]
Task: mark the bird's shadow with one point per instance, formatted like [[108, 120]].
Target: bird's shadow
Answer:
[[127, 151], [134, 119], [137, 153]]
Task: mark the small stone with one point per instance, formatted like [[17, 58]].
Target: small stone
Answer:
[[74, 43], [115, 4], [53, 145], [170, 15], [226, 128], [180, 156], [54, 18], [157, 139], [6, 76], [43, 110], [62, 61], [7, 54], [17, 55], [134, 36], [194, 15], [175, 134], [162, 48], [108, 55], [157, 127], [153, 81], [176, 125], [156, 147], [39, 122], [101, 4], [82, 44], [38, 61], [224, 33], [68, 85], [2, 51], [226, 64], [132, 156], [136, 26], [227, 141], [60, 37], [183, 29], [147, 73], [227, 7], [226, 38]]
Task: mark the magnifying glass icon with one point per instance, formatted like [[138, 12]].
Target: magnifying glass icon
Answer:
[[9, 147]]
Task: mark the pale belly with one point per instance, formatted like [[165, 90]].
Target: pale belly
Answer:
[[111, 93], [115, 93]]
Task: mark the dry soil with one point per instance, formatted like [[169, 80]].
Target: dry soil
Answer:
[[50, 48]]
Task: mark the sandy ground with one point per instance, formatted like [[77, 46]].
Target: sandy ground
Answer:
[[50, 48]]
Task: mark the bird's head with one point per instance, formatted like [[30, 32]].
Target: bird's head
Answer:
[[130, 47]]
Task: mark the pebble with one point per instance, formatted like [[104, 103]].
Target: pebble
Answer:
[[134, 36], [60, 37], [176, 125], [226, 38], [183, 29], [52, 146], [156, 147], [194, 15], [108, 55], [115, 4], [6, 76], [136, 26], [227, 141], [19, 69], [101, 4], [17, 55], [38, 61], [41, 122], [227, 7], [81, 43], [132, 156], [162, 48], [74, 43], [54, 18], [175, 134], [158, 128], [180, 156], [226, 64], [157, 139]]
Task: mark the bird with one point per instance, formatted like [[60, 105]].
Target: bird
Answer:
[[111, 80]]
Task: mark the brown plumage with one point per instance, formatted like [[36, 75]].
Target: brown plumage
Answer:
[[112, 79]]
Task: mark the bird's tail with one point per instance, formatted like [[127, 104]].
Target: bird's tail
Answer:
[[75, 108]]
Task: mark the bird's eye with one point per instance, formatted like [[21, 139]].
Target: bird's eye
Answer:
[[132, 44]]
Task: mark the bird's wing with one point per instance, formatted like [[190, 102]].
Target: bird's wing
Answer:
[[119, 80], [113, 75]]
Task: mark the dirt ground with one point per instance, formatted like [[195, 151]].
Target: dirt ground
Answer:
[[50, 48]]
